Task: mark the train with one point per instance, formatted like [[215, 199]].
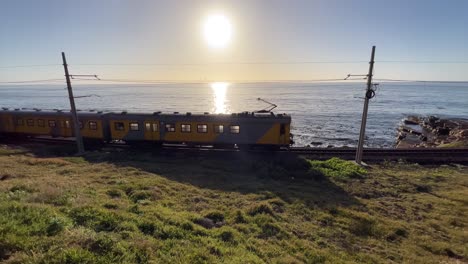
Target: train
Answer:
[[246, 129]]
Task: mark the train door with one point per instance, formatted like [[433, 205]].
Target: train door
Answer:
[[282, 134], [152, 130]]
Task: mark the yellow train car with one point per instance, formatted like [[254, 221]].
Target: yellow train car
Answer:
[[49, 123], [213, 129], [243, 129]]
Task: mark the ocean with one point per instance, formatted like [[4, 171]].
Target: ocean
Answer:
[[322, 114]]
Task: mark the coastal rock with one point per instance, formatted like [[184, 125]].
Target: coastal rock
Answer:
[[432, 131], [442, 131], [411, 120]]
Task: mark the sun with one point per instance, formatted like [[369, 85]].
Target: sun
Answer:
[[217, 30]]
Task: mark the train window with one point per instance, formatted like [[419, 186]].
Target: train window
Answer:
[[67, 124], [52, 123], [80, 124], [41, 123], [282, 129], [202, 128], [235, 129], [186, 128], [219, 129], [30, 122], [134, 126], [92, 125], [155, 127], [170, 128], [19, 122], [148, 126], [119, 126]]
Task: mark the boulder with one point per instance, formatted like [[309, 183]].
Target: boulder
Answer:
[[443, 131], [411, 120]]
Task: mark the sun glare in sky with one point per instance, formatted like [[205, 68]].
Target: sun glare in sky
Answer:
[[217, 30]]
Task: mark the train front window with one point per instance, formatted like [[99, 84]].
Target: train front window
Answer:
[[52, 123], [119, 126], [134, 126], [92, 125], [170, 128], [185, 128], [235, 129], [219, 129], [202, 128], [30, 122]]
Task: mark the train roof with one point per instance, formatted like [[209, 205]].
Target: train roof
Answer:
[[34, 111]]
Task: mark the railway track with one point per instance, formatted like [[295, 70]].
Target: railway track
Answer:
[[375, 154], [426, 155]]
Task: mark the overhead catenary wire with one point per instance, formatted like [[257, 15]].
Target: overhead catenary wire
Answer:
[[31, 81], [28, 66], [235, 63], [419, 81]]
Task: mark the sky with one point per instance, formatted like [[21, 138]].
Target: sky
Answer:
[[271, 39]]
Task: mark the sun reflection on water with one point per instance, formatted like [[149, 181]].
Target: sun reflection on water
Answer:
[[219, 97]]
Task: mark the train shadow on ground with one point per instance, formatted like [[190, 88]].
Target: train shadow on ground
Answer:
[[285, 175]]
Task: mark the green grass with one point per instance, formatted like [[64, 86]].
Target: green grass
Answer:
[[130, 207], [455, 144]]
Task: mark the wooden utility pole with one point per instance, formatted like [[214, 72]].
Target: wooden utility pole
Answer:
[[76, 124], [369, 94]]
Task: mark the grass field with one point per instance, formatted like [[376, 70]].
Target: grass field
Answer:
[[130, 207]]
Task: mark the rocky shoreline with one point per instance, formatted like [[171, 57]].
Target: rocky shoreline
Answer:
[[431, 131]]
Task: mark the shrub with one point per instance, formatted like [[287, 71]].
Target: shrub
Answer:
[[56, 225], [216, 216], [110, 206], [364, 227], [338, 168], [169, 232], [115, 193], [147, 228], [227, 234], [22, 188], [135, 209], [262, 208], [239, 217], [277, 205], [96, 219], [140, 195], [187, 226], [25, 220], [205, 222], [103, 244], [270, 230], [74, 256]]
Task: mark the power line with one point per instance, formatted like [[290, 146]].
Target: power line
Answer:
[[236, 63], [32, 81], [423, 62], [28, 66], [419, 81], [267, 63], [304, 81], [220, 63]]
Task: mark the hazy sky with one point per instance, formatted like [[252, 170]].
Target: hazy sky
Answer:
[[116, 32]]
